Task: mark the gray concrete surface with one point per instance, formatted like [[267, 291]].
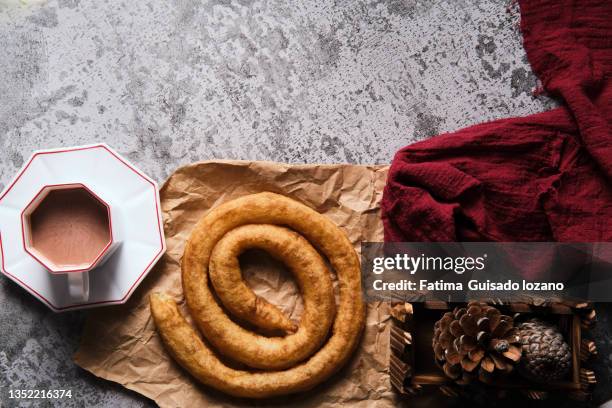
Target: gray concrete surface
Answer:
[[168, 83]]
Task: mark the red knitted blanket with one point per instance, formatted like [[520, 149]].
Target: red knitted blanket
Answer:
[[545, 177]]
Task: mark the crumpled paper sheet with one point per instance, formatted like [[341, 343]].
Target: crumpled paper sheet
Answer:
[[120, 343]]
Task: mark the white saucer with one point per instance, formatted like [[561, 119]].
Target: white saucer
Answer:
[[119, 183]]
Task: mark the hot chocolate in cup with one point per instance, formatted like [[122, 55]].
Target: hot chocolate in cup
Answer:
[[69, 230]]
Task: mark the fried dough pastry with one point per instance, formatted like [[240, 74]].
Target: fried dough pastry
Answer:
[[302, 260], [305, 356]]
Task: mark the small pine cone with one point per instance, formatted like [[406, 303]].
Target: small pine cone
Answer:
[[546, 355], [475, 342]]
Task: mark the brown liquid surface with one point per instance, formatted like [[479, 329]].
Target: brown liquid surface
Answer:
[[70, 227]]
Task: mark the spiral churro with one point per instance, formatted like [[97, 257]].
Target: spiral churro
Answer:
[[305, 356]]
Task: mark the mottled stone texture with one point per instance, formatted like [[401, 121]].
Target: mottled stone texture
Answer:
[[168, 83]]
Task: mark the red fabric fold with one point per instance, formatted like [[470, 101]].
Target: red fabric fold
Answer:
[[544, 177]]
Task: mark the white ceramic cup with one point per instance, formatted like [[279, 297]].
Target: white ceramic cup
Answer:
[[69, 230]]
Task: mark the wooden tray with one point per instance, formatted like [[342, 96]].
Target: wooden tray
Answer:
[[413, 369]]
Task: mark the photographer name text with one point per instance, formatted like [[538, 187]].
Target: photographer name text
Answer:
[[473, 285]]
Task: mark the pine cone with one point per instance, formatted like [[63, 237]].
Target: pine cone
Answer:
[[476, 341], [546, 355]]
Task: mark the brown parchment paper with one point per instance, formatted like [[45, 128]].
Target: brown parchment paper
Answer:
[[120, 343]]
